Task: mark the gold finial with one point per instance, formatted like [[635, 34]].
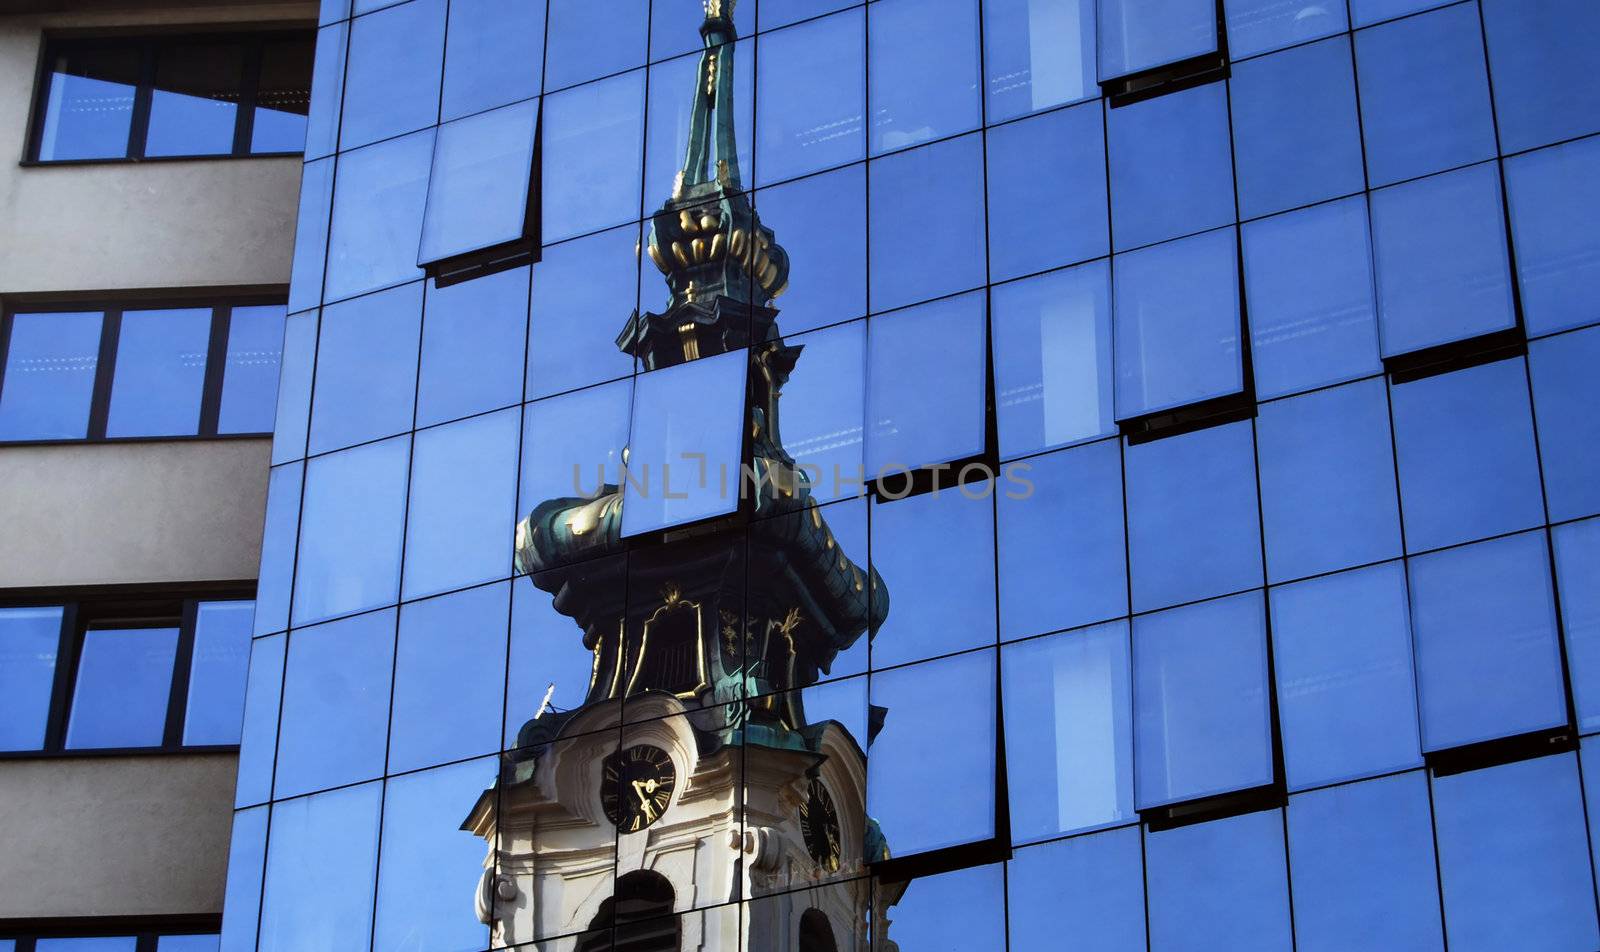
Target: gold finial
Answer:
[[790, 622], [722, 173], [711, 75], [671, 594], [718, 8]]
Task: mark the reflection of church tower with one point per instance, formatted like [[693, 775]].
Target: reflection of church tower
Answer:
[[691, 769]]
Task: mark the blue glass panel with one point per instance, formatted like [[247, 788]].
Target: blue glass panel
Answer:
[[392, 83], [311, 235], [1367, 12], [674, 25], [811, 96], [188, 943], [478, 192], [823, 413], [1086, 892], [1052, 359], [282, 97], [88, 944], [48, 382], [327, 90], [1577, 548], [572, 444], [675, 87], [1328, 494], [1512, 857], [925, 383], [952, 699], [1200, 700], [583, 290], [1050, 579], [377, 216], [258, 739], [1296, 134], [1347, 701], [473, 337], [592, 140], [1468, 466], [1542, 59], [89, 106], [587, 41], [923, 62], [335, 704], [250, 375], [1171, 166], [547, 654], [351, 531], [320, 866], [247, 857], [194, 105], [493, 55], [939, 550], [1040, 219], [1440, 251], [1219, 885], [366, 368], [120, 695], [1363, 867], [1554, 194], [688, 419], [427, 857], [282, 525], [1037, 54], [921, 248], [1565, 391], [822, 224], [1424, 94], [450, 665], [160, 372], [1139, 34], [968, 903], [1308, 278], [1069, 731], [1192, 521], [1177, 324], [1488, 650], [774, 15], [215, 708], [1256, 26], [28, 641], [463, 496]]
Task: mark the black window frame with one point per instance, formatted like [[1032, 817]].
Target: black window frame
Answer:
[[148, 45]]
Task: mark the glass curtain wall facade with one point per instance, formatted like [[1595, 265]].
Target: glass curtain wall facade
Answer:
[[1211, 385]]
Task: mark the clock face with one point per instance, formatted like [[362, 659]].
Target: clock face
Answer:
[[637, 784], [819, 825]]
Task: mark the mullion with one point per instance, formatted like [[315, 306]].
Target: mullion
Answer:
[[105, 369], [5, 346], [66, 678], [249, 92], [139, 124], [216, 367], [182, 662]]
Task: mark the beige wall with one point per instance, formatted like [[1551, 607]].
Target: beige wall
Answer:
[[115, 836]]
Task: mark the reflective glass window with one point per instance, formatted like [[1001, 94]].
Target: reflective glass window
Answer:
[[1364, 867], [1328, 494], [1137, 35], [591, 141], [1424, 94], [1039, 221], [28, 642], [923, 62], [351, 531], [688, 419], [926, 220], [311, 235], [1577, 547], [1488, 654], [1049, 578], [822, 225], [188, 943], [250, 376], [588, 40], [1069, 731], [48, 381], [572, 444], [160, 372], [1544, 87], [87, 944], [1177, 324], [1347, 701], [1565, 390], [1296, 136], [241, 904], [335, 703], [925, 385], [952, 699], [1256, 26], [327, 90], [392, 83], [1440, 251], [547, 654], [823, 414], [493, 55], [1553, 194], [1308, 278], [292, 416], [1511, 857], [377, 216], [119, 698], [811, 96], [1468, 466], [473, 337], [1368, 12], [320, 865], [258, 739], [675, 87], [1192, 520], [583, 291], [968, 903], [282, 525], [463, 496], [215, 706], [1052, 359], [283, 97], [1219, 885], [366, 368], [195, 103], [1171, 166], [88, 109], [1085, 892], [938, 548], [1037, 54], [674, 23], [450, 663], [478, 190]]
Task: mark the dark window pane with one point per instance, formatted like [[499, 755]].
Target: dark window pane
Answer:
[[215, 706], [450, 666], [937, 551], [1085, 892], [925, 383], [463, 497], [1139, 34], [28, 641], [1219, 885], [493, 54], [292, 417], [250, 375], [1256, 26], [327, 90], [351, 531], [49, 376], [923, 60], [689, 420], [1171, 166], [583, 291], [1577, 548], [160, 372], [1565, 391], [247, 855], [592, 142], [478, 191], [335, 704], [283, 97], [392, 84], [89, 106], [1037, 54], [822, 223], [589, 40], [926, 221], [366, 368], [377, 216], [823, 413], [195, 104], [811, 97], [320, 868], [675, 88], [1039, 221], [258, 739], [120, 695], [473, 336], [1541, 56], [1554, 193]]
